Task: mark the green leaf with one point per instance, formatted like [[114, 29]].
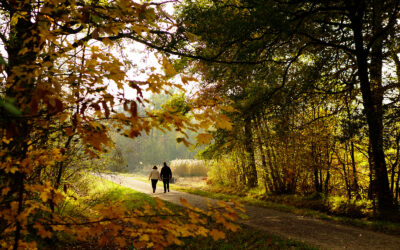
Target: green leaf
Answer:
[[10, 107], [2, 61]]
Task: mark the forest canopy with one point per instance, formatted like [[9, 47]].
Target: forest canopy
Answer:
[[315, 89]]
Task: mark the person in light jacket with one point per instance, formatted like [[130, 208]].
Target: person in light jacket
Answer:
[[154, 177]]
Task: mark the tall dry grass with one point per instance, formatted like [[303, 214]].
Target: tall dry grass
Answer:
[[188, 168]]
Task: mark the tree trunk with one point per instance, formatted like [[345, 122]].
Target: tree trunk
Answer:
[[20, 88], [355, 179], [267, 180], [397, 185], [371, 90], [276, 178], [345, 173], [249, 147], [326, 188]]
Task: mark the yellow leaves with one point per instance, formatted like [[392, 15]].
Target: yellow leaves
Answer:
[[144, 237], [11, 169], [5, 191], [171, 239], [217, 235], [6, 140], [238, 206], [107, 41], [232, 227], [168, 68], [187, 79], [23, 51], [95, 134], [147, 226], [17, 15], [204, 138], [41, 231], [223, 122], [202, 231], [45, 196], [139, 29]]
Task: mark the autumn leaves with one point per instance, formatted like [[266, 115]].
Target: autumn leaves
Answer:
[[57, 110]]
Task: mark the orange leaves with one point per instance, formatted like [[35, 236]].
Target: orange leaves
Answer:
[[217, 235], [63, 83], [41, 231], [172, 240], [232, 227], [47, 97], [168, 68], [204, 138], [223, 122], [132, 107], [95, 135], [139, 29], [187, 79]]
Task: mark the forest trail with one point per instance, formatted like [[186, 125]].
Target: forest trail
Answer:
[[321, 233]]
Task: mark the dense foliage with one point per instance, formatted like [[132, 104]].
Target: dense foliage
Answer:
[[315, 89]]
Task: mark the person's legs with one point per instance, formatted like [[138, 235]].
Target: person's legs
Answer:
[[166, 182], [154, 185], [165, 185]]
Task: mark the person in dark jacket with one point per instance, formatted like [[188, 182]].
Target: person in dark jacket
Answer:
[[166, 176]]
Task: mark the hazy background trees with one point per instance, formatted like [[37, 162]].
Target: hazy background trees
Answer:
[[156, 146]]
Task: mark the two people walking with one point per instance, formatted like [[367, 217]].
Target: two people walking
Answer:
[[165, 176]]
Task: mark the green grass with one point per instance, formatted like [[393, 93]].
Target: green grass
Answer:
[[95, 190]]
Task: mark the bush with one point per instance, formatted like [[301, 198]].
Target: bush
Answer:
[[188, 168], [224, 172], [353, 208]]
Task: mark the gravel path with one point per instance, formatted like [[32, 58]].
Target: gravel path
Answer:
[[324, 234]]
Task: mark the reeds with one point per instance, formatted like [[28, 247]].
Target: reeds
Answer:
[[188, 168]]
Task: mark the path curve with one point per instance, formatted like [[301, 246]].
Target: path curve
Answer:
[[321, 233]]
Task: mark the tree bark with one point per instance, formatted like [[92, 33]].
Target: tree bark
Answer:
[[372, 98], [267, 180], [249, 147]]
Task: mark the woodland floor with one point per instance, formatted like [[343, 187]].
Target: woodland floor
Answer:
[[320, 233]]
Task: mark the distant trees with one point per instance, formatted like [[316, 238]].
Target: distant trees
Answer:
[[156, 146]]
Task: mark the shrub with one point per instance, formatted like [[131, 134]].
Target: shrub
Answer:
[[223, 171]]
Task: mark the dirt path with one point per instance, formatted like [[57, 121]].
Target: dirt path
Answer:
[[324, 234]]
